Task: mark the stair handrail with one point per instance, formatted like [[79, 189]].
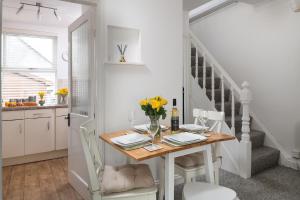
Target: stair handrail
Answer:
[[245, 96], [216, 64]]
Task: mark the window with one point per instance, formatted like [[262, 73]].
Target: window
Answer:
[[28, 66]]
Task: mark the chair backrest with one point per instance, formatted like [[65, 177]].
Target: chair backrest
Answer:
[[216, 117], [90, 145]]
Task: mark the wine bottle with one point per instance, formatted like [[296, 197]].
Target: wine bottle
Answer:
[[174, 118]]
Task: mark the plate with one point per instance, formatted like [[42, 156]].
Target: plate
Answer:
[[185, 138], [131, 139], [193, 127], [143, 127]]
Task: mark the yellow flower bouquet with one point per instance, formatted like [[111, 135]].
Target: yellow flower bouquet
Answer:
[[62, 93], [154, 107], [41, 95]]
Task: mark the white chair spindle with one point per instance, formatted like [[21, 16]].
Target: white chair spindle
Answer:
[[204, 73], [196, 65], [232, 112], [222, 93], [213, 85]]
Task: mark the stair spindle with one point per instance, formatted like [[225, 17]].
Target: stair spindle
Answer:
[[213, 85], [204, 73], [196, 65], [232, 112], [222, 93], [246, 146]]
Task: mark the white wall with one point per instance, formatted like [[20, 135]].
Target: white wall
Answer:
[[160, 23], [261, 44]]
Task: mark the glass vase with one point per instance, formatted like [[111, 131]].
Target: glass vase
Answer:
[[154, 123]]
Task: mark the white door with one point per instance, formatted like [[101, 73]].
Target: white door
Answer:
[[82, 87], [12, 138]]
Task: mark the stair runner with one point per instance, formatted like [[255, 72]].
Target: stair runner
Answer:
[[263, 157]]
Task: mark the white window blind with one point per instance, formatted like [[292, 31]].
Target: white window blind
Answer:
[[29, 66]]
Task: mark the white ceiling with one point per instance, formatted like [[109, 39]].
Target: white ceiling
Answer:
[[68, 12]]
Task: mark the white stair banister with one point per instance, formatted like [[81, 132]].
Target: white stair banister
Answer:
[[213, 85], [232, 112], [204, 73], [196, 64], [246, 146], [222, 94]]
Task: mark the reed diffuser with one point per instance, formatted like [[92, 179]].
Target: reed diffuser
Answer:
[[122, 50]]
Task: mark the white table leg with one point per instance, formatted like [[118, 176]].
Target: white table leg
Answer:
[[161, 179], [209, 167], [169, 176]]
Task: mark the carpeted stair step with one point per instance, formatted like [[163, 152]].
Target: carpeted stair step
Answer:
[[218, 95], [237, 124], [257, 138], [193, 61], [193, 51], [264, 158], [209, 83], [227, 108], [200, 71]]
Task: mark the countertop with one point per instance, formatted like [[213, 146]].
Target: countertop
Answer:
[[34, 107]]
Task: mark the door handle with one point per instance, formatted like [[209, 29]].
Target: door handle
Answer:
[[69, 119], [48, 125]]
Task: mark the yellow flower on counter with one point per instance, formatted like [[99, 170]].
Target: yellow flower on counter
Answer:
[[62, 92], [41, 94]]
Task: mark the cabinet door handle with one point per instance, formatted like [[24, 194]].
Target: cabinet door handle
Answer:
[[20, 129], [48, 125]]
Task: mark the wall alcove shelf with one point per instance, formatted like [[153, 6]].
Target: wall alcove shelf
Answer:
[[123, 36]]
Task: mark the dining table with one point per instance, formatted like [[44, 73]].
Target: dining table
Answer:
[[169, 153]]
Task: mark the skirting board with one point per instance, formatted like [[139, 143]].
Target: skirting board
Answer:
[[35, 157]]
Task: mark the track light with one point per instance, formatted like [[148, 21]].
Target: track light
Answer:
[[39, 5], [39, 16], [20, 9], [56, 15]]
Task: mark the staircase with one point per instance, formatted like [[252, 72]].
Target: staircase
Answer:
[[225, 95]]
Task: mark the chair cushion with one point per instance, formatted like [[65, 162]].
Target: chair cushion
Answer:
[[192, 160], [125, 178]]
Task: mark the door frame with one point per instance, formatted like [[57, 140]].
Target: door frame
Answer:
[[99, 69]]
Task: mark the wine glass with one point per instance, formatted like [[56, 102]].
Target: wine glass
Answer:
[[153, 128], [131, 118], [203, 118]]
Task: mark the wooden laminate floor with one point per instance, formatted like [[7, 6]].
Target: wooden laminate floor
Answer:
[[46, 180]]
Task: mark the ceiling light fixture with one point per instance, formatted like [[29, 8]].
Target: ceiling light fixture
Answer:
[[20, 9], [39, 5], [56, 15]]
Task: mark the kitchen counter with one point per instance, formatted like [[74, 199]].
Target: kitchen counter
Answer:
[[34, 107]]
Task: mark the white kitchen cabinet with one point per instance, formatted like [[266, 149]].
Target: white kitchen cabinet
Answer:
[[62, 131], [13, 138], [39, 135]]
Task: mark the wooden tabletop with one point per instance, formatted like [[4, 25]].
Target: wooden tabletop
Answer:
[[142, 154]]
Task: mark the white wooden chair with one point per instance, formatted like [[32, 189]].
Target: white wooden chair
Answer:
[[190, 173], [198, 190], [192, 166], [90, 144]]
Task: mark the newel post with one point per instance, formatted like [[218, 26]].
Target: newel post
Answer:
[[245, 144]]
